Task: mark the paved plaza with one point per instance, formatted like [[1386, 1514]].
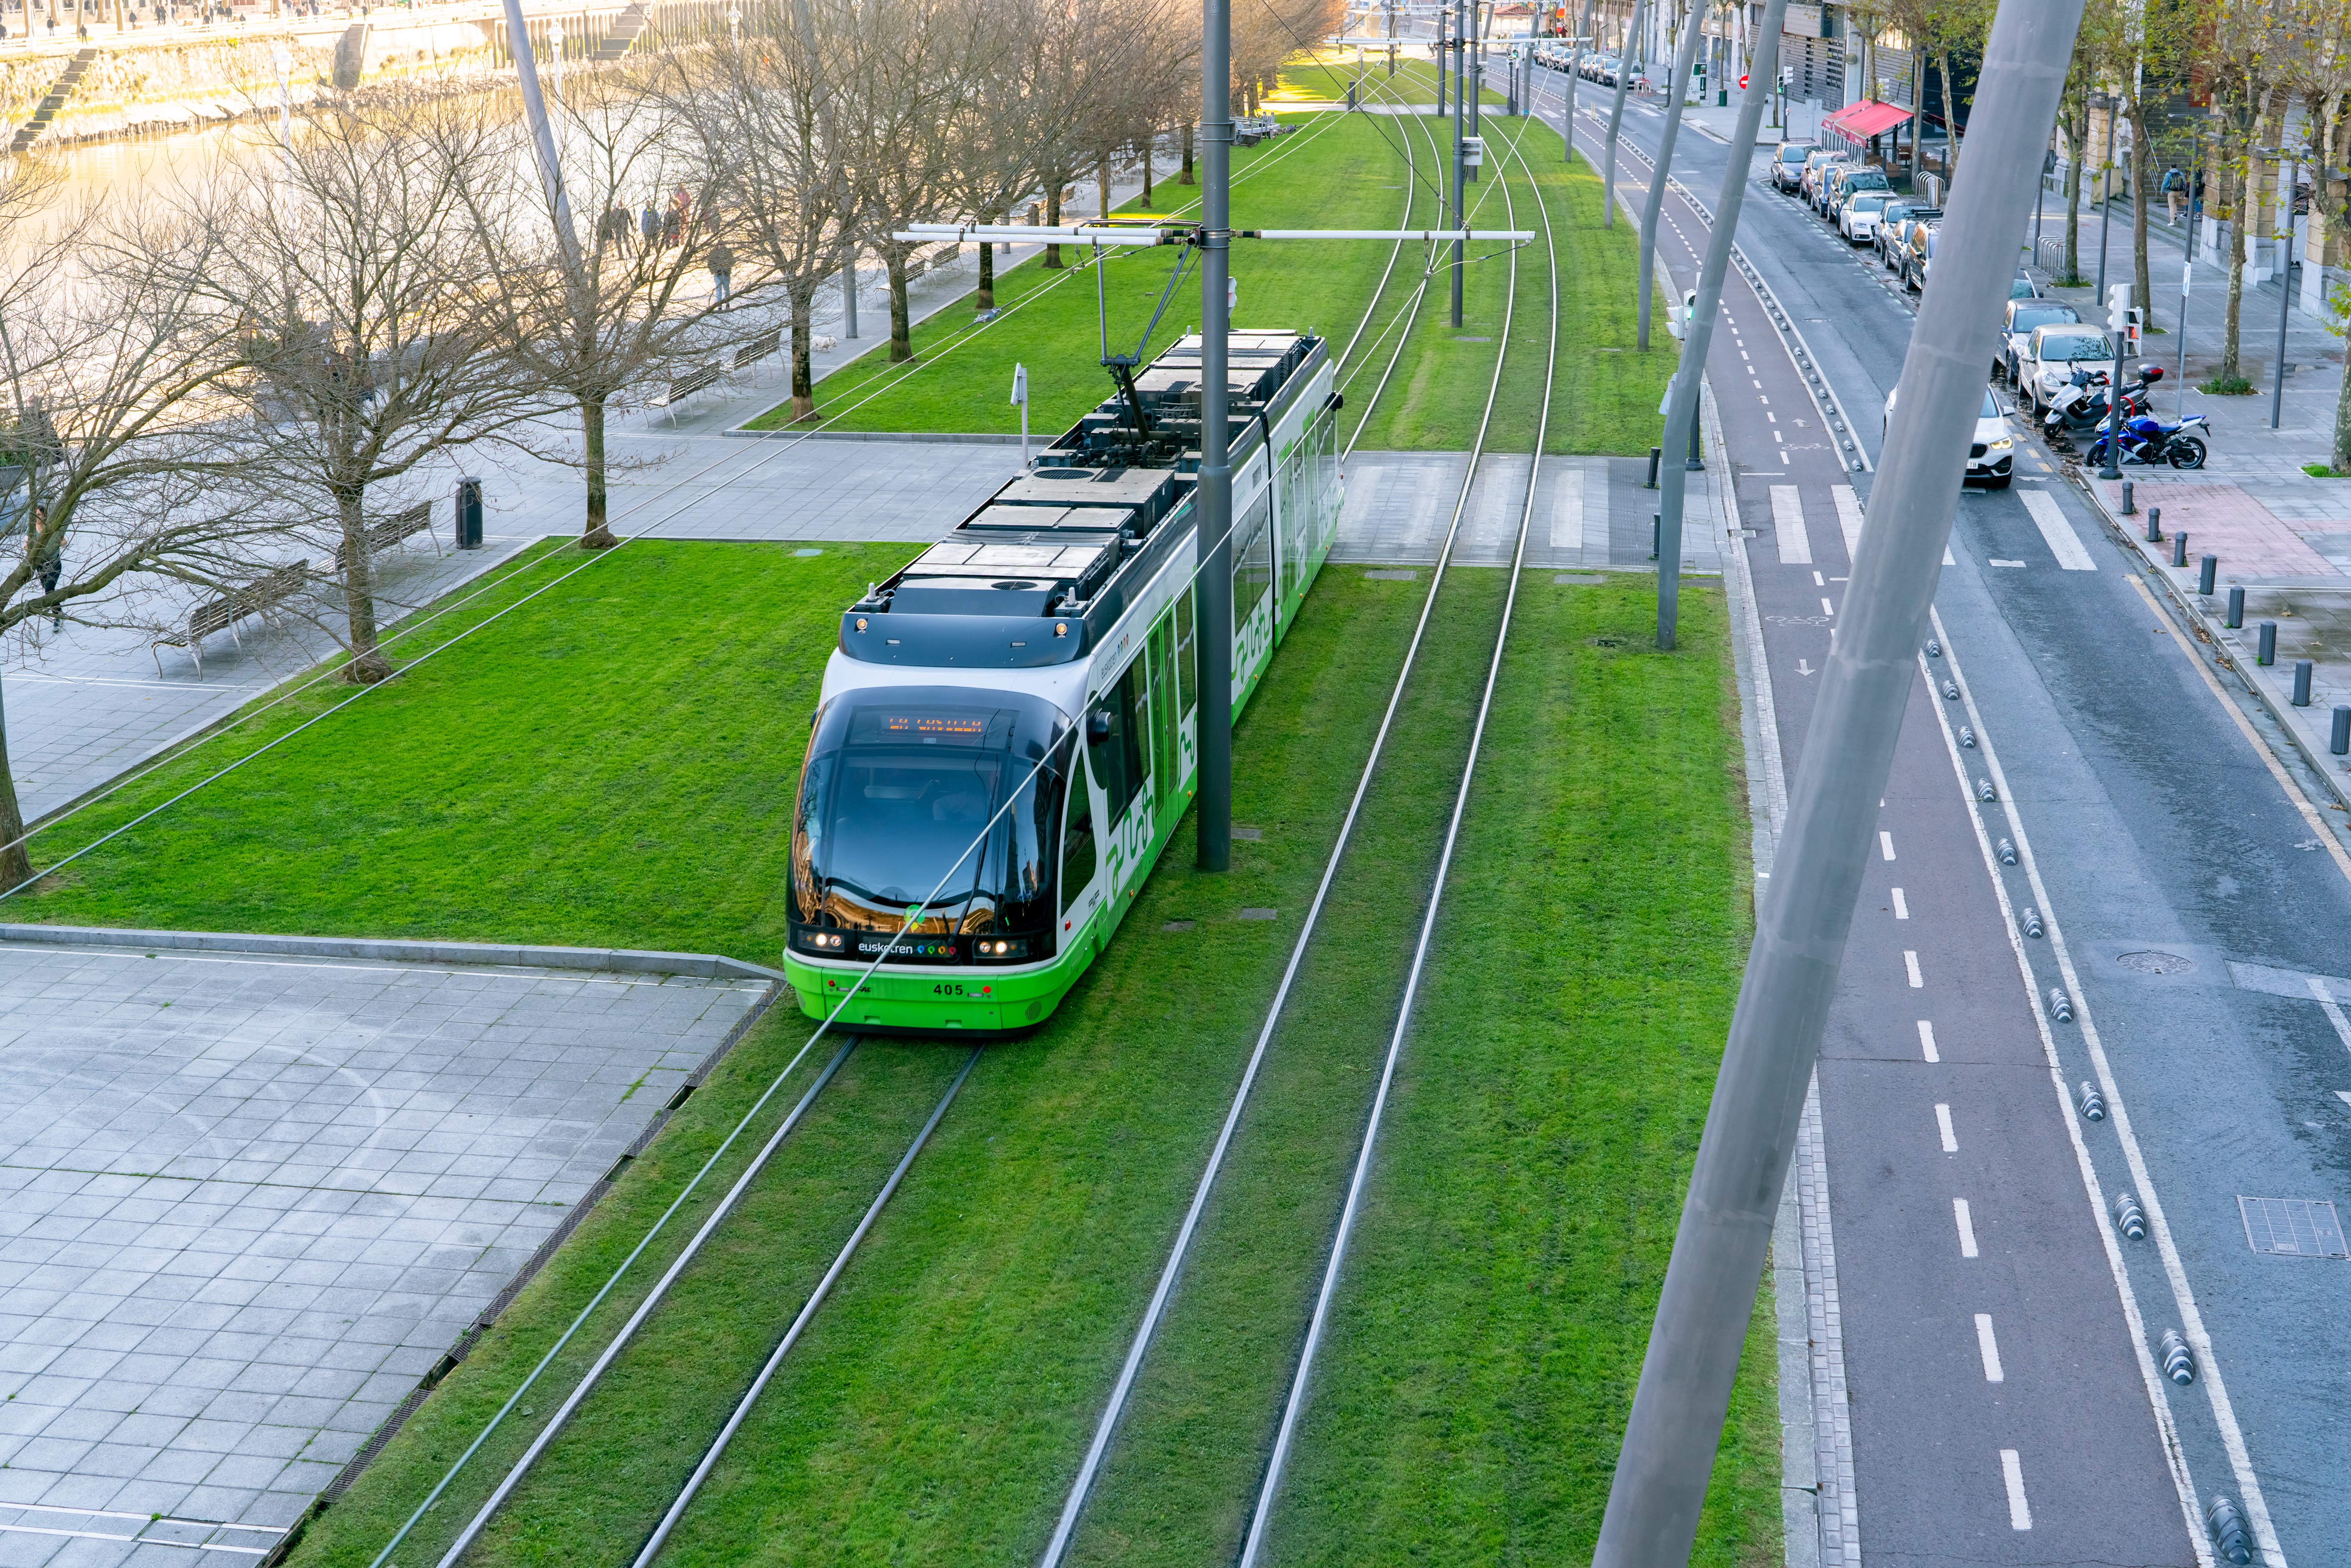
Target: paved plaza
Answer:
[[248, 1198]]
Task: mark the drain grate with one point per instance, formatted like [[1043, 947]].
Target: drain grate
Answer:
[[2153, 963], [1390, 576], [2292, 1227], [1260, 914]]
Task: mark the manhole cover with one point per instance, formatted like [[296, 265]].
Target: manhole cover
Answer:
[[2292, 1227], [1177, 925], [1608, 642], [2156, 963], [1390, 576], [1260, 913]]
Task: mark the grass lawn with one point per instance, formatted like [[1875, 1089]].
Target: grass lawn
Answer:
[[1338, 171], [1415, 81], [612, 764]]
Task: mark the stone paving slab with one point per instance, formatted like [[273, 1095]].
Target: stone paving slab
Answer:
[[248, 1200]]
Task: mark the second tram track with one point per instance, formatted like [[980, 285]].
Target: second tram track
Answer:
[[1108, 1427]]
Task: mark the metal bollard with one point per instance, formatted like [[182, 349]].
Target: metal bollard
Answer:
[[2180, 548], [2339, 742], [2301, 669], [2154, 525], [1651, 481], [2236, 616], [2129, 509], [2208, 575], [2265, 644]]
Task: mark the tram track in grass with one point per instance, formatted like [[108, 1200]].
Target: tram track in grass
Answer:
[[500, 1519], [1182, 1442]]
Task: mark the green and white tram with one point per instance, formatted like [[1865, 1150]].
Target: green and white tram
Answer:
[[1043, 653]]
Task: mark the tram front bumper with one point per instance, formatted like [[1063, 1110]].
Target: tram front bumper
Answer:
[[928, 1001]]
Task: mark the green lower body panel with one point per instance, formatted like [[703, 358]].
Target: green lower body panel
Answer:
[[938, 1001]]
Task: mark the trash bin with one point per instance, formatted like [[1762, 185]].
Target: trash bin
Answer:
[[468, 526]]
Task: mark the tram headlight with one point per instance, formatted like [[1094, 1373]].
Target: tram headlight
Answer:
[[823, 941], [1001, 950]]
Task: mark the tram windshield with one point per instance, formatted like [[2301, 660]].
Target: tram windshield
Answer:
[[903, 800]]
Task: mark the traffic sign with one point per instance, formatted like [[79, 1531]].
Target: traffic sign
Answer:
[[1742, 81]]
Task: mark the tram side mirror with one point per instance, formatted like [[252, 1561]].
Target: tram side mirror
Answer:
[[1097, 726]]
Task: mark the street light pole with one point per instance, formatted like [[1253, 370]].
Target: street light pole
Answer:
[[2106, 208], [1460, 158], [1214, 504], [1662, 171], [1615, 118], [2285, 289], [1806, 914], [542, 135]]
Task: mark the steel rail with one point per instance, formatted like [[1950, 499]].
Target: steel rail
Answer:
[[1276, 1462], [571, 1403], [1409, 313], [686, 1496], [1090, 1469]]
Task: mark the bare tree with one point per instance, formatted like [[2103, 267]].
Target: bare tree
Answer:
[[375, 347], [119, 379], [762, 112], [2318, 36], [626, 312]]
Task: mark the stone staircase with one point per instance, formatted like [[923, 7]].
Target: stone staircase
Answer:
[[623, 36], [59, 92]]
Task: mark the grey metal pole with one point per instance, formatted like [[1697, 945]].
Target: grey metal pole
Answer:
[[1682, 398], [2187, 287], [1460, 154], [1438, 56], [542, 135], [1469, 84], [1791, 970], [1214, 495], [2286, 292], [1615, 118], [1567, 114], [848, 295], [1663, 171], [2106, 211]]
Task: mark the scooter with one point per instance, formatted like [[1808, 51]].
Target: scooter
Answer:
[[2148, 441], [2082, 406]]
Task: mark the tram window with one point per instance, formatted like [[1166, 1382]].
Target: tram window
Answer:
[[1118, 757], [1077, 839], [1163, 711], [1253, 560], [1185, 678]]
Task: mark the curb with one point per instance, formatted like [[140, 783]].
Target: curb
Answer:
[[621, 960], [2234, 655]]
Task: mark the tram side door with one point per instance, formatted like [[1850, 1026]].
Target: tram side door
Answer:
[[1165, 721], [1114, 749]]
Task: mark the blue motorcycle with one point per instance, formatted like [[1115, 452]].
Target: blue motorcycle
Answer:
[[2149, 443]]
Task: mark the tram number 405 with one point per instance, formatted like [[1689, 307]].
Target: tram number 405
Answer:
[[949, 988]]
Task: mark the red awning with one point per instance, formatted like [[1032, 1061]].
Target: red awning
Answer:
[[1860, 122]]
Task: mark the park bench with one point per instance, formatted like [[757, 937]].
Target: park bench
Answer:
[[686, 385], [384, 534], [222, 612], [758, 349]]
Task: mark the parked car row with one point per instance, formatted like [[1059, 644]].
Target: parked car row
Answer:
[[1591, 64], [1861, 204]]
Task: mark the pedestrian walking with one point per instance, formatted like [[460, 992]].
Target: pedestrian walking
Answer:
[[721, 262], [2175, 190], [48, 554]]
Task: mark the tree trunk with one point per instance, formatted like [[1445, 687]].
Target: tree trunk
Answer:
[[902, 327], [2142, 173], [1054, 220], [1917, 113], [1102, 179], [1950, 117], [2340, 462], [597, 535], [1146, 173], [803, 303], [2229, 370], [1185, 177], [16, 860], [368, 663], [2073, 278], [985, 298]]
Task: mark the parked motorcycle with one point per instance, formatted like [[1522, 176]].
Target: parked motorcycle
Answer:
[[2081, 405], [2149, 442]]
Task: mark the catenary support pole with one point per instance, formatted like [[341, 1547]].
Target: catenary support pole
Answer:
[[1709, 1298], [1215, 502], [1471, 82], [2285, 291], [1436, 57], [1575, 60], [1615, 116], [2107, 216], [1682, 397], [1460, 150], [1662, 173], [542, 135]]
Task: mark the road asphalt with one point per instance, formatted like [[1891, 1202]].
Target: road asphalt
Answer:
[[2189, 878]]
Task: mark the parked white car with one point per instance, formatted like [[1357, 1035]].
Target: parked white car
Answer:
[[1992, 456], [1857, 219], [2016, 331], [2051, 354]]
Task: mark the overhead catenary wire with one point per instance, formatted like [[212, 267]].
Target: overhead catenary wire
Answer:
[[516, 1473]]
